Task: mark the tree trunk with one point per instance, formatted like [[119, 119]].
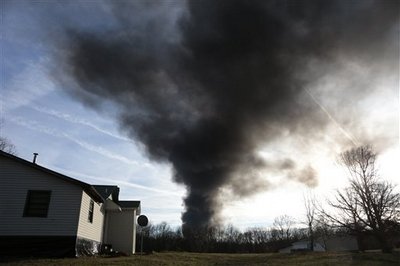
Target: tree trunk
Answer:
[[311, 237]]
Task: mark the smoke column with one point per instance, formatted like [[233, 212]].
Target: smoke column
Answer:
[[203, 85]]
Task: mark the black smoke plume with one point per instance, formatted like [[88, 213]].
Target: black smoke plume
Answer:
[[204, 85]]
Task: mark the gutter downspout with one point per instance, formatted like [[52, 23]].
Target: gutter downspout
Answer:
[[105, 227]]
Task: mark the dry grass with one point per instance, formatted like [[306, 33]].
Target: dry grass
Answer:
[[184, 258]]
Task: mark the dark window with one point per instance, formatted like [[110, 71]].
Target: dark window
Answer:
[[37, 203], [91, 207]]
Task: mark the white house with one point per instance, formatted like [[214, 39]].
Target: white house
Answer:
[[45, 213]]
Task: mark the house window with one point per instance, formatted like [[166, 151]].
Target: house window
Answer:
[[91, 207], [37, 203]]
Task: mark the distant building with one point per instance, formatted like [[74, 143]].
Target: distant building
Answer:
[[302, 245], [341, 243], [45, 213], [331, 243]]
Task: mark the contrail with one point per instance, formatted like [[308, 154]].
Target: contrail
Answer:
[[344, 132], [76, 120], [37, 127], [105, 152], [102, 179], [23, 87], [34, 125]]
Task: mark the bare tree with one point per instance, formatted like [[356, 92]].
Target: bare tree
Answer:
[[310, 208], [322, 229], [5, 144], [283, 224], [368, 204]]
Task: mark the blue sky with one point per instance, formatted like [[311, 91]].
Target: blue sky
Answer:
[[70, 138], [87, 144]]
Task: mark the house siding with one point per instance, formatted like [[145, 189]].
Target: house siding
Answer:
[[64, 208], [37, 246], [94, 230], [122, 240]]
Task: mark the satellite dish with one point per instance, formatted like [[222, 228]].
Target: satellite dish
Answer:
[[142, 220]]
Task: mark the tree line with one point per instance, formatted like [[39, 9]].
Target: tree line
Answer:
[[368, 209], [229, 239]]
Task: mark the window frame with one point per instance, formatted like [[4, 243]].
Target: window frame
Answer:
[[91, 211], [31, 198]]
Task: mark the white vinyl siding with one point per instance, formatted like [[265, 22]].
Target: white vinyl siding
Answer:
[[91, 230], [15, 181]]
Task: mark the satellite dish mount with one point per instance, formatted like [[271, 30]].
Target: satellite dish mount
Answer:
[[142, 222]]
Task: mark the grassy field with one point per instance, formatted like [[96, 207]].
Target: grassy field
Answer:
[[183, 258]]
